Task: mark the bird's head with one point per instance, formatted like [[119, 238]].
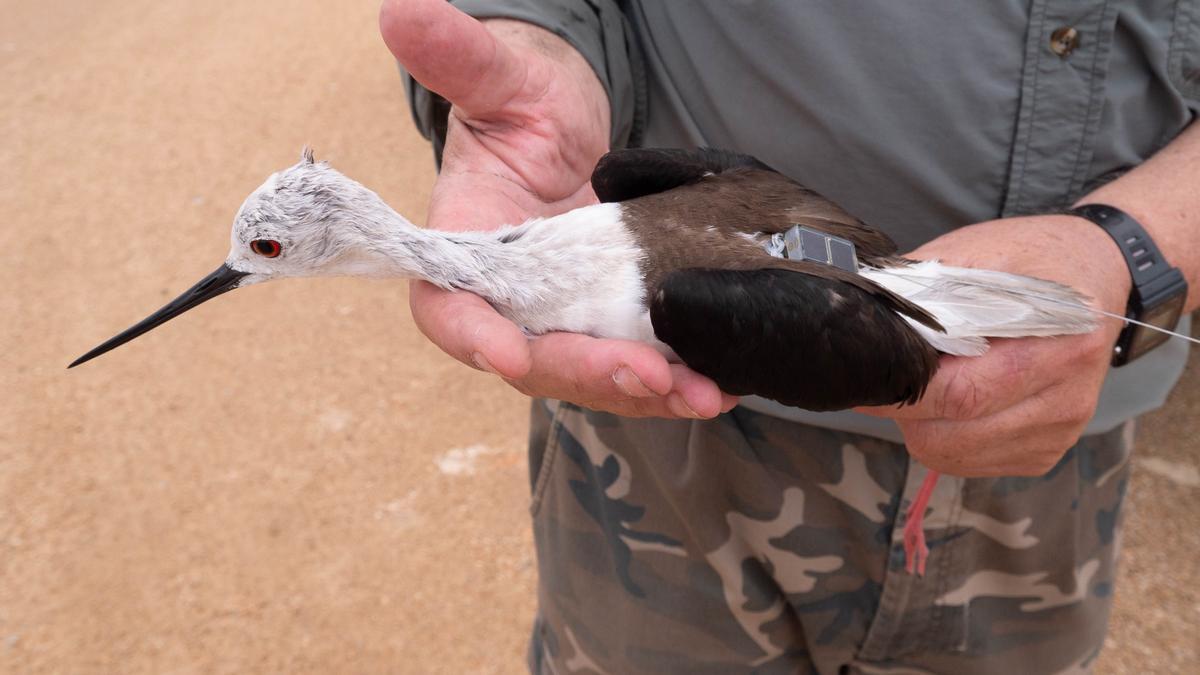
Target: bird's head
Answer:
[[306, 220]]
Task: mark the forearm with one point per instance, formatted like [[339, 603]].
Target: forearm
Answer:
[[1016, 409], [1163, 194]]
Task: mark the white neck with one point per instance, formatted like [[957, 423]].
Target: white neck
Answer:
[[514, 274], [578, 271]]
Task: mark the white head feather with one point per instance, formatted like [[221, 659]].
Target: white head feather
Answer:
[[325, 224]]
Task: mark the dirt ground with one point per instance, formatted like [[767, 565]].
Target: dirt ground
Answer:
[[290, 479]]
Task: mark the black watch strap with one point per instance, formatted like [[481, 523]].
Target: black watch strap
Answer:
[[1155, 283], [1141, 254], [1154, 279]]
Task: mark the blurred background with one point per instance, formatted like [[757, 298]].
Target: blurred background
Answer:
[[291, 479]]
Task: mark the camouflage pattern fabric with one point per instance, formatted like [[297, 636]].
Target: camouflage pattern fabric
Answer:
[[749, 544]]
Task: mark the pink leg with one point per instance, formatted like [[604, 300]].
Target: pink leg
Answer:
[[915, 550]]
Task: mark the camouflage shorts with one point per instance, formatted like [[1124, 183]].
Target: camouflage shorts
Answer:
[[751, 544]]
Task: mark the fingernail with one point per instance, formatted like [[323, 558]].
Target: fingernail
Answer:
[[680, 407], [628, 382], [481, 363]]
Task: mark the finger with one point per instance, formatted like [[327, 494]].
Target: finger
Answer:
[[464, 326], [661, 406], [619, 401], [451, 53], [728, 402], [667, 407], [1027, 439], [634, 407], [621, 377], [694, 395], [584, 369], [967, 387], [629, 378]]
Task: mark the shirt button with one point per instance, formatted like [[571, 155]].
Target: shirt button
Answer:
[[1064, 41]]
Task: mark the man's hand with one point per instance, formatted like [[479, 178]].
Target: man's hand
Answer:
[[1017, 409], [528, 121]]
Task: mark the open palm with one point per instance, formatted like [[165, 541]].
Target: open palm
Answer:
[[528, 121]]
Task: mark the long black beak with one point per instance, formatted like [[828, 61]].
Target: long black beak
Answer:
[[221, 280]]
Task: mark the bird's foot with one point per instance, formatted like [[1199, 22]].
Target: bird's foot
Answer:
[[916, 551]]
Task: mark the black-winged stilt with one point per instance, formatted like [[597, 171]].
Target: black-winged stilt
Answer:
[[720, 262]]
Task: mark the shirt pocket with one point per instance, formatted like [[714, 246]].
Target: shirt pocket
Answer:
[[1183, 59]]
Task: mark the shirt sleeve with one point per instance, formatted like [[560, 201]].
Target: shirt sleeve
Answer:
[[600, 32]]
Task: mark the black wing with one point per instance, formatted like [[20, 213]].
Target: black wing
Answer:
[[804, 341], [625, 174]]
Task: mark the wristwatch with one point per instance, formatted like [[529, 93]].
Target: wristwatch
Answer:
[[1159, 290]]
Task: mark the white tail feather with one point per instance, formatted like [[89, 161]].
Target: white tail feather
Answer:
[[973, 305]]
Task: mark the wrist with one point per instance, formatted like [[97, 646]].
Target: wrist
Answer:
[[1161, 195], [1098, 252], [1159, 290]]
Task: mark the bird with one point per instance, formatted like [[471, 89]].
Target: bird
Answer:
[[711, 256]]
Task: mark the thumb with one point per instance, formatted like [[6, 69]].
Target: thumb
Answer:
[[452, 54]]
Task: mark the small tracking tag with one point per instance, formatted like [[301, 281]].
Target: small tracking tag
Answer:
[[802, 243]]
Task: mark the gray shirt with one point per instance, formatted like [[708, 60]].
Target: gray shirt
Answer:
[[918, 117]]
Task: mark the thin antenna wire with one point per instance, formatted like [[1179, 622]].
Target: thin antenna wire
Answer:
[[1031, 294]]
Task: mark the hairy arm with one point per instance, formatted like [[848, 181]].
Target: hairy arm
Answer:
[[1020, 407]]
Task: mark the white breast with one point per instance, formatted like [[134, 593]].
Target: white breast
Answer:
[[582, 275]]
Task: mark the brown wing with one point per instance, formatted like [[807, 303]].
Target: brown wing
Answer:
[[733, 193]]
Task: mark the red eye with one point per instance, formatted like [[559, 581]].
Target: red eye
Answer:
[[267, 248]]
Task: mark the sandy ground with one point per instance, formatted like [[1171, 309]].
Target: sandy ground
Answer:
[[290, 479]]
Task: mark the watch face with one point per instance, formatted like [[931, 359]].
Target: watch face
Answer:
[[1163, 316]]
